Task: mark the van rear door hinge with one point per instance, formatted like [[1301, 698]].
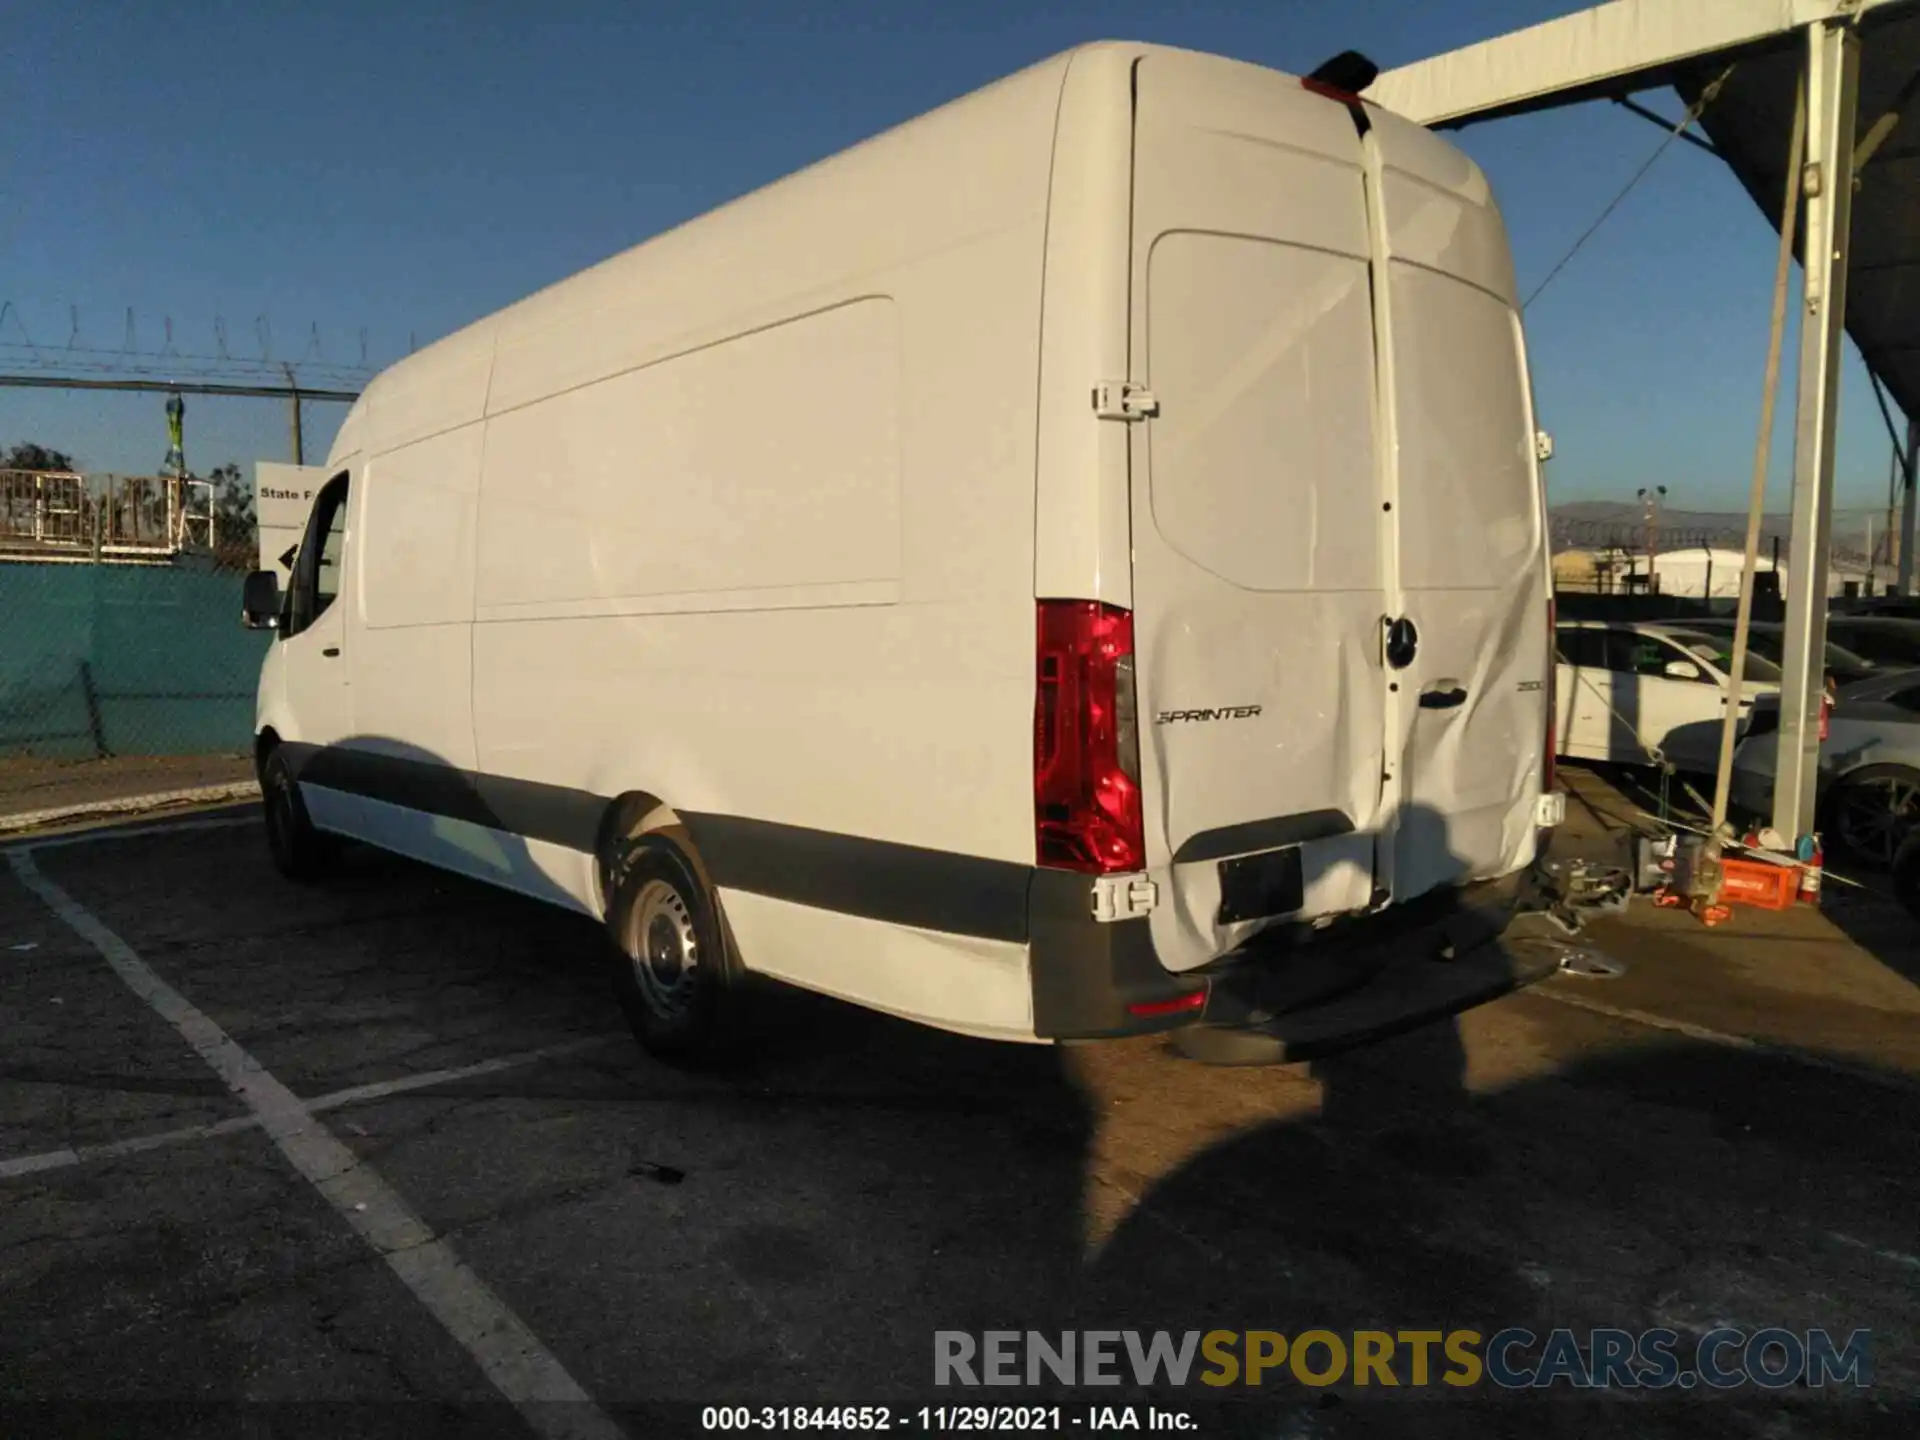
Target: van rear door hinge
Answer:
[[1122, 897], [1123, 400]]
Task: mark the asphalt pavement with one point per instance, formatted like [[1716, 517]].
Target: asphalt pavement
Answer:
[[377, 1156]]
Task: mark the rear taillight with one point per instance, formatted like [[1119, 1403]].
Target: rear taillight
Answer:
[[1826, 716], [1086, 765], [1550, 770]]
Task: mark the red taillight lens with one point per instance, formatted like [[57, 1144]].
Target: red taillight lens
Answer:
[[1826, 716], [1086, 773], [1550, 769]]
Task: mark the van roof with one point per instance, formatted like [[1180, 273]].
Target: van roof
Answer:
[[1011, 124]]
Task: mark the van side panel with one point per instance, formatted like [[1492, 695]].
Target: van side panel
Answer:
[[766, 475], [411, 651], [773, 562]]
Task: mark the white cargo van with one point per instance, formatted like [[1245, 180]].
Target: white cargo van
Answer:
[[1029, 573]]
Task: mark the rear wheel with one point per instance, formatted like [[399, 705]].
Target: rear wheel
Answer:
[[300, 852], [1906, 873], [674, 974], [1872, 811]]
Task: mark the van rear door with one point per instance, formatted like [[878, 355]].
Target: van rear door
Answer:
[[1324, 460], [1256, 495], [1469, 568]]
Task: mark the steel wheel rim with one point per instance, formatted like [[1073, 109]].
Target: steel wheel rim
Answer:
[[663, 948], [1874, 816]]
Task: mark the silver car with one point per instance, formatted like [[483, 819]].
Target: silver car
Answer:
[[1869, 766]]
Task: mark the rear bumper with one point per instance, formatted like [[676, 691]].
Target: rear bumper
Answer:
[[1443, 955], [1088, 975], [1097, 981]]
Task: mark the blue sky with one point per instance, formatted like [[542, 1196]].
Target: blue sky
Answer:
[[404, 168]]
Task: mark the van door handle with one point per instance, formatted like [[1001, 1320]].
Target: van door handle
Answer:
[[333, 650], [1436, 698]]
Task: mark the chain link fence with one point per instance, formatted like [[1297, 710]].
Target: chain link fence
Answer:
[[1608, 556], [120, 611]]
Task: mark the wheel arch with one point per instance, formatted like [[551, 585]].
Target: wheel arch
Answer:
[[633, 815]]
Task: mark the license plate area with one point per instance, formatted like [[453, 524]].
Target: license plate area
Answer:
[[1258, 887]]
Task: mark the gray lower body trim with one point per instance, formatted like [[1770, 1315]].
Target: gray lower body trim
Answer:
[[1084, 974]]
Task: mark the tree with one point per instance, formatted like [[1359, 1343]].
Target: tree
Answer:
[[29, 456], [236, 527]]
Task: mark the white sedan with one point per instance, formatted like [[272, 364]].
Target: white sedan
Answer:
[[1637, 693]]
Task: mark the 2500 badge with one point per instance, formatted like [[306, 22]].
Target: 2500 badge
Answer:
[[1221, 712]]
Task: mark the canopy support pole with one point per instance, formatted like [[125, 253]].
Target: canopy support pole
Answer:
[[1909, 534], [1832, 77], [1762, 453]]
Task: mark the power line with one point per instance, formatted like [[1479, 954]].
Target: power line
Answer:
[[185, 387], [182, 366], [129, 356], [1694, 111]]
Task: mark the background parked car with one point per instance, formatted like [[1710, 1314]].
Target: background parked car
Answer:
[[1630, 693], [1869, 781], [1769, 643], [1902, 607], [1888, 642]]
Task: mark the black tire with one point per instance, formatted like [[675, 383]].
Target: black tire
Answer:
[[1906, 874], [1871, 812], [299, 851], [674, 971]]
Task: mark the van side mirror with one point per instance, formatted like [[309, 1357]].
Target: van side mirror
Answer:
[[260, 601], [1682, 670]]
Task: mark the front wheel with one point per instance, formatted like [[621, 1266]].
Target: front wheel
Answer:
[[1872, 811], [300, 852], [673, 972]]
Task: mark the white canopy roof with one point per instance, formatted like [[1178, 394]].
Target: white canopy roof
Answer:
[[1616, 49]]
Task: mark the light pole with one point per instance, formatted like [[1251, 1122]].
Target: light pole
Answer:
[[1651, 500]]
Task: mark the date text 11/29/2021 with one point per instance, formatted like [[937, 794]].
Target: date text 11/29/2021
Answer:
[[945, 1418]]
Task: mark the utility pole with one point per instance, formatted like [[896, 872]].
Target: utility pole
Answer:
[[293, 416]]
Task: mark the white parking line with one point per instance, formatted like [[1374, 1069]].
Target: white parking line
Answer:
[[114, 1149], [127, 832], [512, 1357], [380, 1089]]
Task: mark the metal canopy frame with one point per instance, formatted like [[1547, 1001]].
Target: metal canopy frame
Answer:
[[1616, 49]]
